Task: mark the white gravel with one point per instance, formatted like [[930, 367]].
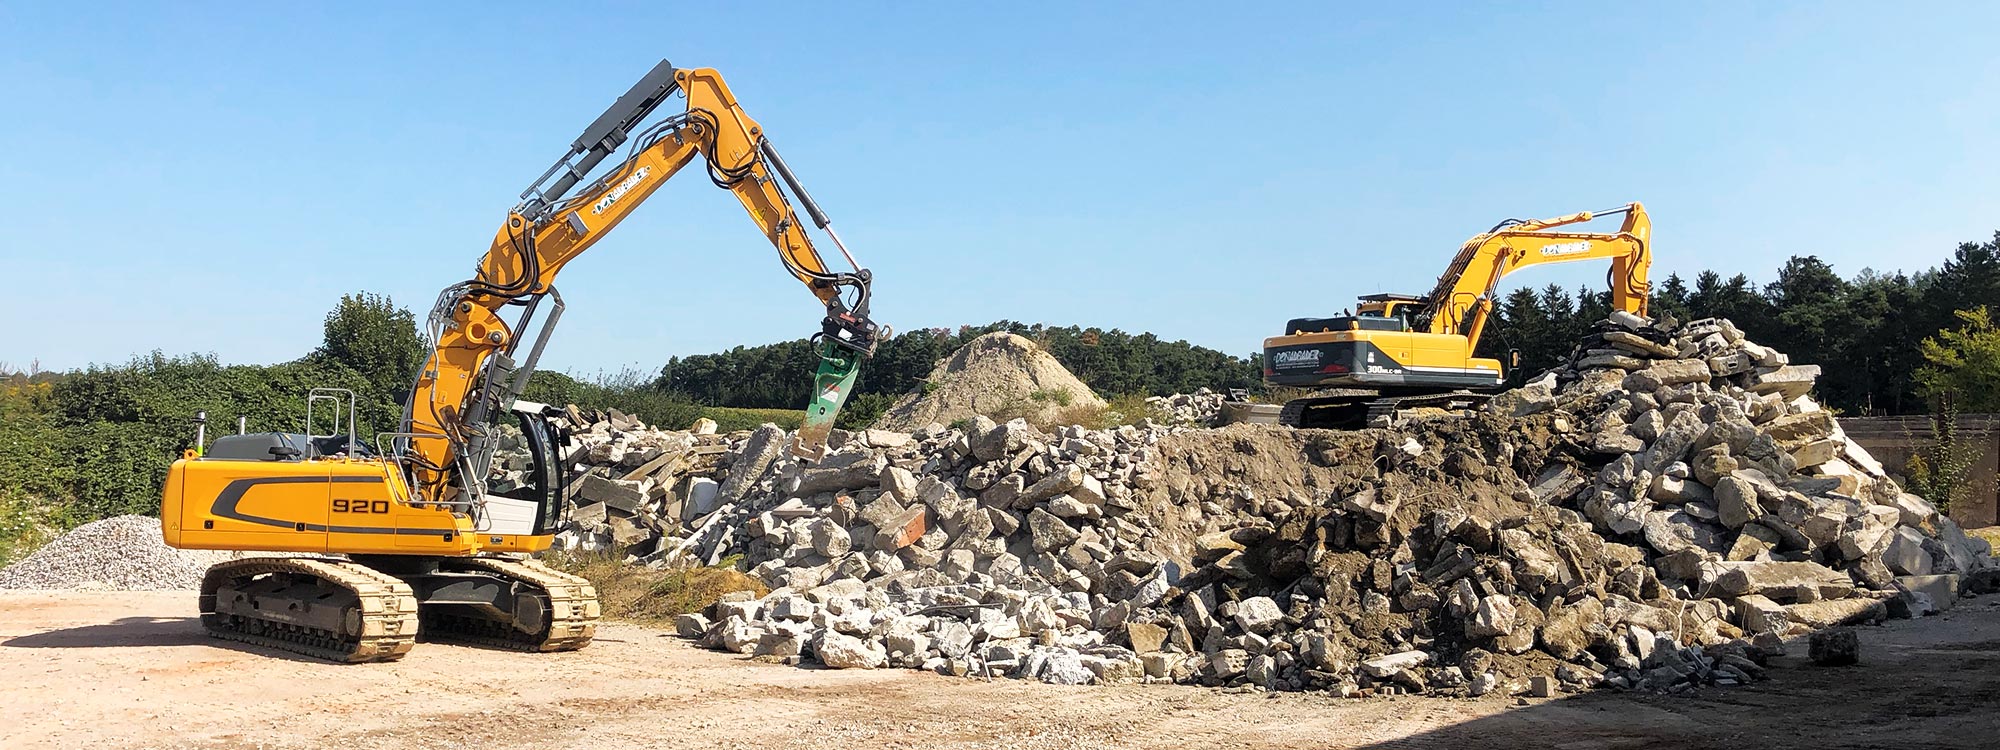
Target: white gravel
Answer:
[[123, 553]]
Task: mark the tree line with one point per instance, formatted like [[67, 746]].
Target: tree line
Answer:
[[1112, 362], [97, 441]]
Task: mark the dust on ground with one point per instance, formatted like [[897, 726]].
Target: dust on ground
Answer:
[[133, 669]]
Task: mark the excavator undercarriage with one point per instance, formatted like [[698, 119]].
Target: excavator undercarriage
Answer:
[[1353, 409], [375, 609]]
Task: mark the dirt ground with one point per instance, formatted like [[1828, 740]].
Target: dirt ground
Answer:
[[133, 670]]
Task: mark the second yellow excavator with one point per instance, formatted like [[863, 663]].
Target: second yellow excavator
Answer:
[[1401, 351], [409, 537]]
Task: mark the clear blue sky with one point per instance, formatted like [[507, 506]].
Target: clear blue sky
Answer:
[[202, 178]]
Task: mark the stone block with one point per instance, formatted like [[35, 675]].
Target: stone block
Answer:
[[1390, 665], [617, 494], [1145, 637], [1791, 381], [1831, 612], [902, 529], [1258, 614], [1942, 590], [1780, 580]]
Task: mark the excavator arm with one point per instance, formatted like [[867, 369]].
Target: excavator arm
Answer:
[[476, 369], [1463, 298]]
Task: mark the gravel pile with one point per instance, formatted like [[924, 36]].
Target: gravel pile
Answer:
[[123, 553]]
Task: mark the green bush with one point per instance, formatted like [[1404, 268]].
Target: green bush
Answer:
[[625, 391], [98, 442], [731, 420], [371, 335], [24, 525], [862, 409]]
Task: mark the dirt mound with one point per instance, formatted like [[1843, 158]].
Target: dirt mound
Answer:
[[998, 375]]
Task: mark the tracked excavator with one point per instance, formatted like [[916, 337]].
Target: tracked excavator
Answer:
[[413, 535], [1398, 352]]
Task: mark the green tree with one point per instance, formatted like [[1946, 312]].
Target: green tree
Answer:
[[1813, 320], [1671, 298], [369, 334], [1964, 363]]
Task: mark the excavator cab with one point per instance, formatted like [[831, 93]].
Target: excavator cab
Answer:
[[1377, 312], [525, 482]]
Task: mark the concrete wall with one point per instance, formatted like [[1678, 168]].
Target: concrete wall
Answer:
[[1893, 439]]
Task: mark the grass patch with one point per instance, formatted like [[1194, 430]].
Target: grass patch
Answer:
[[1991, 534], [1118, 412], [729, 419], [646, 596], [1055, 396]]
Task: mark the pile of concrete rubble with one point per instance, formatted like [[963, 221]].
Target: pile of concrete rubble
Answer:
[[1202, 407], [637, 482], [1689, 509]]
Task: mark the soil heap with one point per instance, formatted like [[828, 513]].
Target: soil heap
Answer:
[[995, 373]]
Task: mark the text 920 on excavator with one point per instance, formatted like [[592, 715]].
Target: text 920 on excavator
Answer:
[[1400, 351], [428, 530]]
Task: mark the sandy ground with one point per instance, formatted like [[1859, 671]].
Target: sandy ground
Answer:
[[134, 670]]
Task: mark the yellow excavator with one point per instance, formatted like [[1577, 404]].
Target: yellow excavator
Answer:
[[407, 536], [1399, 351]]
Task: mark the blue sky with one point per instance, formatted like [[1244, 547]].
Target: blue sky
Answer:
[[207, 178]]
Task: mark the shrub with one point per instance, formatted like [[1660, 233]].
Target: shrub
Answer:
[[25, 525], [862, 409], [731, 420], [627, 391]]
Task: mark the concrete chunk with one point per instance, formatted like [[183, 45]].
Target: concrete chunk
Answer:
[[1258, 614], [1387, 666], [1780, 580], [1791, 381], [902, 529], [617, 494], [1831, 612]]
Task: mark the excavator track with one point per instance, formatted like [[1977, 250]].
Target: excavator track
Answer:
[[1350, 410], [327, 609], [571, 610], [1391, 406]]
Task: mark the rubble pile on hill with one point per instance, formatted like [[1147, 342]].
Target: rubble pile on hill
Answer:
[[1689, 508], [1202, 407]]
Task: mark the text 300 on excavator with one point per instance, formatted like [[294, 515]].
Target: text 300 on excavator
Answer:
[[408, 537], [1401, 351]]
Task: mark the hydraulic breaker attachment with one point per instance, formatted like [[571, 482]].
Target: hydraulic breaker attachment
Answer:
[[838, 367]]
